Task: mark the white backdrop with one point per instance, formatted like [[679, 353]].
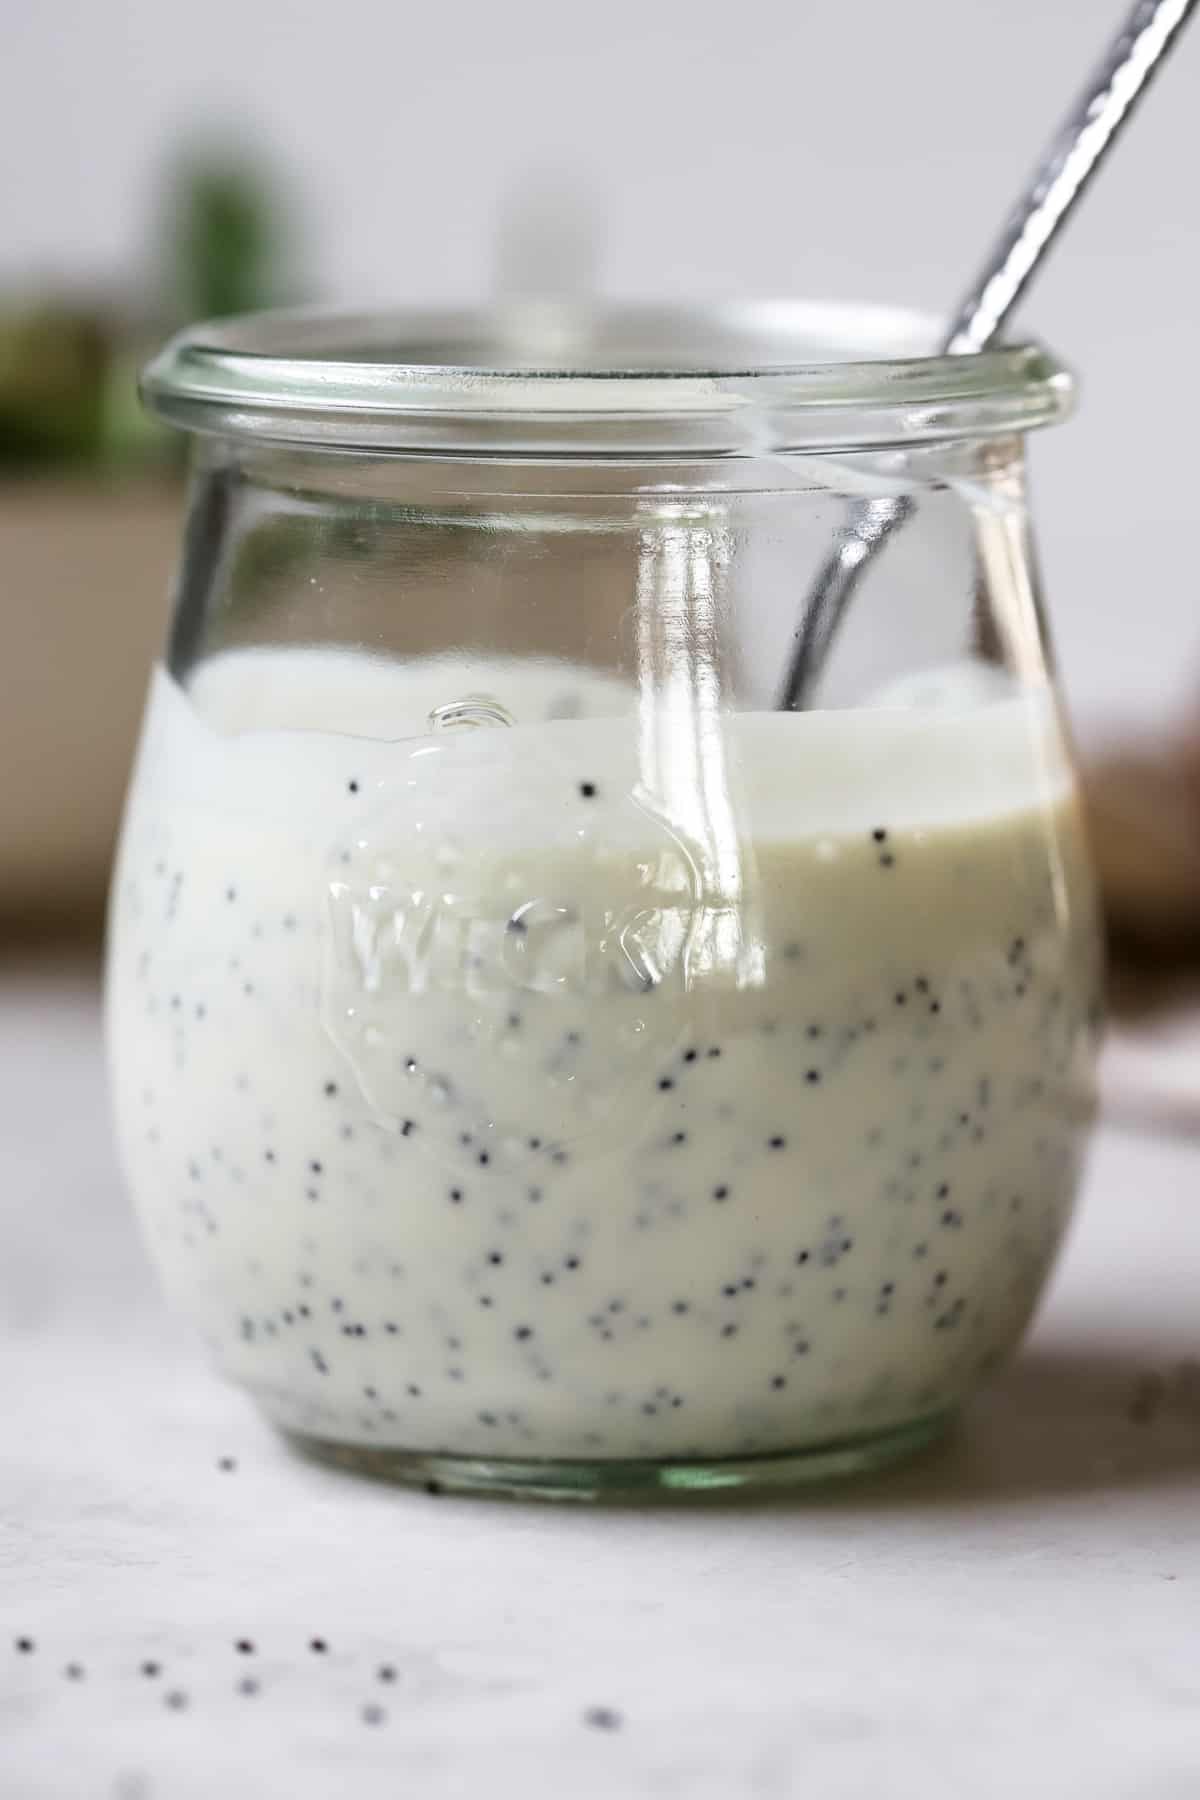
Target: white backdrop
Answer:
[[861, 149]]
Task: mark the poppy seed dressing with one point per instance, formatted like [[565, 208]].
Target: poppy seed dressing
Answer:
[[551, 1090]]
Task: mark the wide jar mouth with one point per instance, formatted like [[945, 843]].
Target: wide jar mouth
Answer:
[[549, 380]]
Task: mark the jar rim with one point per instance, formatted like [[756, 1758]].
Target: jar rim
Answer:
[[747, 378]]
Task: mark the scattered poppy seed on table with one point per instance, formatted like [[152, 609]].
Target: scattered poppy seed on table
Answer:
[[25, 1646], [373, 1714], [175, 1700], [74, 1671], [603, 1718]]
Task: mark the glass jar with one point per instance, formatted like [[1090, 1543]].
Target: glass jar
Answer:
[[543, 1061]]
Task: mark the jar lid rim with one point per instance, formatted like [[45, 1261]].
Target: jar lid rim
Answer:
[[742, 378]]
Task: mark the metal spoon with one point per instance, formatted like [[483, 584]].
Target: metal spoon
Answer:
[[1070, 160]]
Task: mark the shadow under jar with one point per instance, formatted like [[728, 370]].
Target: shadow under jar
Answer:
[[541, 1063]]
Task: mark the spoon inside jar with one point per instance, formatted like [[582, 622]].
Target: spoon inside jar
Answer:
[[1071, 158]]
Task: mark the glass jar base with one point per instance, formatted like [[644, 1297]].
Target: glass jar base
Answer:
[[631, 1481]]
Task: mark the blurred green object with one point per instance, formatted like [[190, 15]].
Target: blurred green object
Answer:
[[52, 366], [227, 249], [68, 369]]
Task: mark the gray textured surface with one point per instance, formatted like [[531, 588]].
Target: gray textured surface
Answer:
[[1016, 1614]]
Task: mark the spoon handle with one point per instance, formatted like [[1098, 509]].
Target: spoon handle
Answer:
[[1070, 160]]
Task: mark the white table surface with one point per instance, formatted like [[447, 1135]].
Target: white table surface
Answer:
[[1019, 1614]]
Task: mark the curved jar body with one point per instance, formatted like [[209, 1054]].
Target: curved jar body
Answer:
[[539, 1059]]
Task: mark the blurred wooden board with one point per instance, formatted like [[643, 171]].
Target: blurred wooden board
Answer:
[[83, 578]]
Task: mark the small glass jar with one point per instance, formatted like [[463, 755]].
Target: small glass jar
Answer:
[[543, 1061]]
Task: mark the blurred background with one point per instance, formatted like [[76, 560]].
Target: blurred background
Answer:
[[164, 162]]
